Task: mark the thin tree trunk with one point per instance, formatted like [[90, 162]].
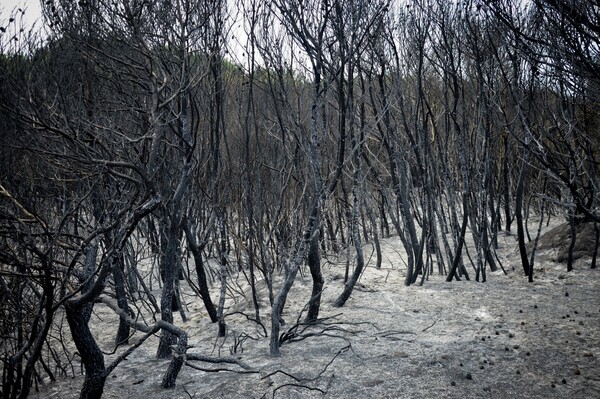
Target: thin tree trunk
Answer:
[[537, 238], [376, 242], [573, 229], [200, 273], [223, 274], [461, 240], [314, 264], [519, 215], [39, 336], [360, 258], [122, 337], [169, 263], [291, 270], [595, 256]]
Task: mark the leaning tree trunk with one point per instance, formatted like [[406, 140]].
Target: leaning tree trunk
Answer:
[[360, 259], [280, 299], [196, 250]]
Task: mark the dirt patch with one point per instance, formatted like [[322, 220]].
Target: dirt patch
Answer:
[[558, 239]]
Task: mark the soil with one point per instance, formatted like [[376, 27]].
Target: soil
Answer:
[[505, 338], [558, 239]]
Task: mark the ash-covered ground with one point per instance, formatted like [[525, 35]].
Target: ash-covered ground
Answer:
[[505, 338]]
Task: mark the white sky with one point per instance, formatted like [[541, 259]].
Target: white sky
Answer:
[[32, 10]]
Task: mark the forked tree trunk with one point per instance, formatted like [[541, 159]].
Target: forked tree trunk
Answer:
[[461, 240], [280, 299]]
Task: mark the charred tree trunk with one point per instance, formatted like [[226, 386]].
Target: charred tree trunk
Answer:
[[595, 256], [314, 264], [519, 215], [461, 240], [573, 238], [360, 258], [200, 272], [169, 268], [223, 274], [91, 355], [291, 269], [122, 337]]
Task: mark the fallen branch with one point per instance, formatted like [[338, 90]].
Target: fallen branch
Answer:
[[391, 335], [250, 318], [220, 369], [172, 372], [387, 334], [216, 360]]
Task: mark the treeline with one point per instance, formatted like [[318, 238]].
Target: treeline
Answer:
[[259, 136]]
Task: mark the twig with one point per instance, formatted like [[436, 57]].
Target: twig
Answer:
[[299, 386], [250, 318], [344, 349], [188, 394], [299, 381], [429, 326], [388, 334], [284, 373]]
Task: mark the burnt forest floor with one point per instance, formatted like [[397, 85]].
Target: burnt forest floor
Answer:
[[505, 338]]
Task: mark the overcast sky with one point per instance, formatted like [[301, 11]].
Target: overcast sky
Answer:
[[31, 7]]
